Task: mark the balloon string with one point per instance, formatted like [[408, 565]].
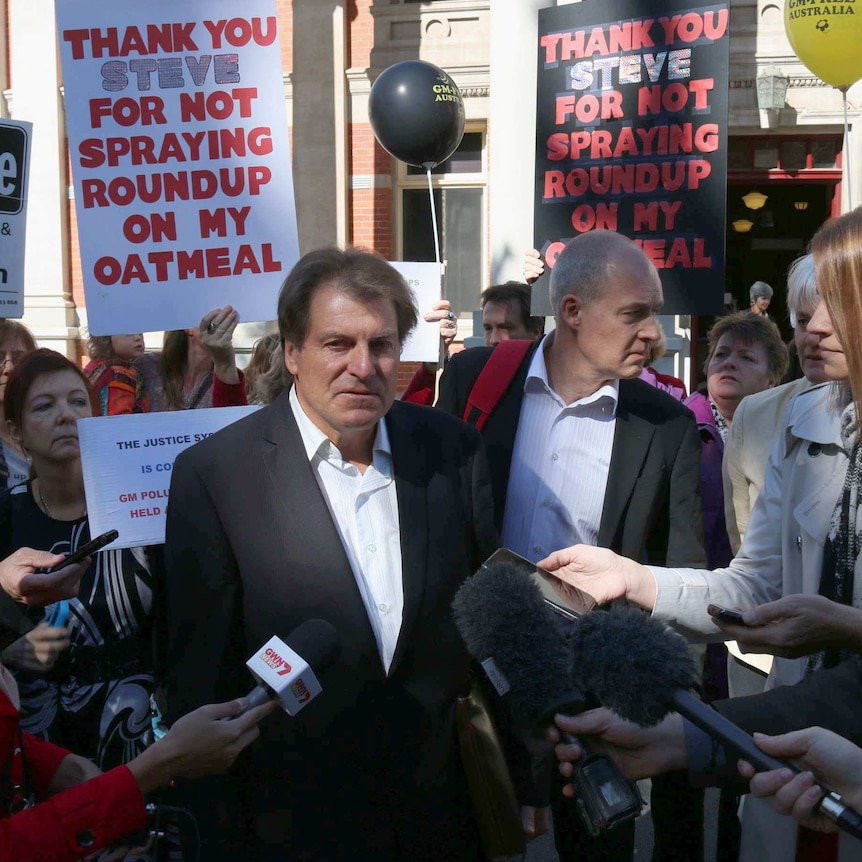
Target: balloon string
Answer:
[[433, 216], [847, 151]]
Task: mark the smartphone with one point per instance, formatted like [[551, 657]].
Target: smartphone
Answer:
[[565, 600], [86, 550], [726, 615]]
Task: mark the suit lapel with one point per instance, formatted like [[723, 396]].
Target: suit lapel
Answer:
[[305, 514], [411, 484], [632, 438]]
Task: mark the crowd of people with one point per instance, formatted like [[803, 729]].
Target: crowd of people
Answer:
[[341, 501]]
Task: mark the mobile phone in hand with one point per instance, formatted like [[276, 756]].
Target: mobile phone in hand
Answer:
[[86, 550], [726, 615]]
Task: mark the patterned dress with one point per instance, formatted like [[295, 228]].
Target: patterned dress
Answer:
[[95, 700], [119, 387]]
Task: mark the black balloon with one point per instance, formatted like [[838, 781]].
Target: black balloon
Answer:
[[417, 113]]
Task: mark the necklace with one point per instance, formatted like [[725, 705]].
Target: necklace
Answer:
[[47, 509]]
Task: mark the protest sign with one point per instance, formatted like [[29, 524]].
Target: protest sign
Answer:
[[631, 136], [180, 159], [14, 173], [423, 345], [127, 463]]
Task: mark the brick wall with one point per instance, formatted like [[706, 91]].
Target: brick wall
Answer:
[[361, 33], [284, 13]]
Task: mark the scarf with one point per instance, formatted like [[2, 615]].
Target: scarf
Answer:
[[845, 537], [720, 422]]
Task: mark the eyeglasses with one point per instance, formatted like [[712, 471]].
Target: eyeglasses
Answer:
[[13, 356]]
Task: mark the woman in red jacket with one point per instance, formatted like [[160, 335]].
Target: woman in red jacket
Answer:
[[57, 807]]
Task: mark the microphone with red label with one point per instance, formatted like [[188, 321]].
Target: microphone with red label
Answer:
[[288, 671]]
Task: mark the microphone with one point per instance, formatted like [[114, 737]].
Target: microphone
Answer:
[[287, 671], [641, 669], [509, 629]]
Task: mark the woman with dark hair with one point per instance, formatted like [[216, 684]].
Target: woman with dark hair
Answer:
[[85, 671], [197, 366], [15, 342]]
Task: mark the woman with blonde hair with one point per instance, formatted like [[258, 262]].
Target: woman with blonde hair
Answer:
[[266, 374]]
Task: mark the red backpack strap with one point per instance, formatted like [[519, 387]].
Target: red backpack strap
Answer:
[[494, 379]]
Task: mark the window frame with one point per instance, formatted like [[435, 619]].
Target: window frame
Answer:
[[479, 179]]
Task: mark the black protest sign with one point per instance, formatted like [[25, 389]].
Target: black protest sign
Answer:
[[631, 132]]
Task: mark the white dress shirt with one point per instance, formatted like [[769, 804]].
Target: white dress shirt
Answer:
[[560, 463], [364, 507]]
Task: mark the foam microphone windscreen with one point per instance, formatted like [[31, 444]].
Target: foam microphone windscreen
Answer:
[[630, 663], [502, 617], [317, 642]]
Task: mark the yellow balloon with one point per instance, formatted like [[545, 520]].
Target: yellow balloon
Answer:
[[827, 36]]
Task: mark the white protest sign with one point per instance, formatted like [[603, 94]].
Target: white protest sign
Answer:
[[423, 345], [127, 463], [180, 159], [14, 174]]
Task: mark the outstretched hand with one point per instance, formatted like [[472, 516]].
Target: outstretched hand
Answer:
[[216, 334], [797, 625], [21, 579], [534, 266], [200, 743], [639, 752], [825, 756], [38, 650], [442, 311], [602, 574]]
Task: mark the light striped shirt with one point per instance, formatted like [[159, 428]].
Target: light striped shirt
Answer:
[[364, 508], [560, 463]]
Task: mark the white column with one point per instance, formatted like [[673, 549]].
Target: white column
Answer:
[[512, 134], [319, 123], [35, 96]]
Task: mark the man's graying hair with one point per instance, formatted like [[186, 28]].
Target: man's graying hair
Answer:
[[582, 267]]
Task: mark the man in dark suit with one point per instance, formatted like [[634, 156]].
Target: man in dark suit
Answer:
[[334, 503], [606, 293], [579, 447]]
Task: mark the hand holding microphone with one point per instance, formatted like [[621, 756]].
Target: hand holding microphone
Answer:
[[200, 743], [825, 756], [642, 670]]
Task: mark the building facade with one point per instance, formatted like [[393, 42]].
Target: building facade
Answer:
[[349, 190]]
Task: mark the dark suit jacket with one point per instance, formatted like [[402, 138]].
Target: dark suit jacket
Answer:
[[652, 510], [252, 551], [830, 698]]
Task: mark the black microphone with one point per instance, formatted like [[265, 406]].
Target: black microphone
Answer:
[[288, 671], [642, 670], [511, 631], [507, 627]]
